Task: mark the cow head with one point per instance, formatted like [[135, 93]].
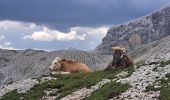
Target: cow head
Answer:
[[56, 64], [118, 53]]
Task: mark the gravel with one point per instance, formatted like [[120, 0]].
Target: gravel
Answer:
[[21, 86], [139, 80]]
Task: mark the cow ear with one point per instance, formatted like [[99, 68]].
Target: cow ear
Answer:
[[113, 49], [123, 49]]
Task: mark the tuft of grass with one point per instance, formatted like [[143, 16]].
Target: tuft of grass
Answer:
[[150, 88], [165, 90], [13, 95], [108, 91], [165, 93], [164, 63], [130, 71]]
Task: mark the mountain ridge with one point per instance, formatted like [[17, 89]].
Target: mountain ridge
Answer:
[[132, 34]]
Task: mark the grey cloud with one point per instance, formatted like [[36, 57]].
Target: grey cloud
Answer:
[[63, 14]]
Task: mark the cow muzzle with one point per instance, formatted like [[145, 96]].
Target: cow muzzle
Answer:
[[50, 69]]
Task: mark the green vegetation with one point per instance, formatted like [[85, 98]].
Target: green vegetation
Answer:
[[108, 91], [12, 96], [164, 63], [34, 94], [70, 83], [165, 88], [130, 71], [77, 81], [150, 88]]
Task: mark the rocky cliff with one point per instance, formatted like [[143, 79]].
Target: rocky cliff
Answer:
[[135, 33], [153, 52]]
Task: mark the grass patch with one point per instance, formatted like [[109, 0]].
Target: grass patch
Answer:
[[13, 95], [164, 63], [108, 91], [78, 81], [165, 93], [35, 93], [130, 71], [66, 84], [150, 88], [165, 88]]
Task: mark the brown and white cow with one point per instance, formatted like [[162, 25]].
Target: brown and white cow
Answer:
[[64, 65]]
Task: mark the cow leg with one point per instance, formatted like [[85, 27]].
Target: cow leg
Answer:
[[111, 66], [64, 73]]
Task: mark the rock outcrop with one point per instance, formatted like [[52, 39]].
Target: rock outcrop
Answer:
[[135, 33], [155, 51]]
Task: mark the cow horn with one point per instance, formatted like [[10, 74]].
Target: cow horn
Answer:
[[123, 49], [58, 58]]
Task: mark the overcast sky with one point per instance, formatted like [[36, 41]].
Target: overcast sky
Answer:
[[63, 24]]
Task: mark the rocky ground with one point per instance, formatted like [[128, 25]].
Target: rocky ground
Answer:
[[140, 79], [21, 86], [144, 75]]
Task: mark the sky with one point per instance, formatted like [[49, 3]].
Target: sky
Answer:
[[65, 24]]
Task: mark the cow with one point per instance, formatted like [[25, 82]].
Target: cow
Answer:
[[120, 59], [70, 66]]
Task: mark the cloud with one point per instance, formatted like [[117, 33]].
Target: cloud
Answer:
[[23, 35], [49, 35], [88, 13], [98, 31], [75, 33], [9, 24], [4, 44]]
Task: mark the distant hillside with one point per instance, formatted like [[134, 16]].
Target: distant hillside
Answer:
[[135, 33]]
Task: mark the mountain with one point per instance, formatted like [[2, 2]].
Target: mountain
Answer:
[[137, 32], [21, 64], [155, 51]]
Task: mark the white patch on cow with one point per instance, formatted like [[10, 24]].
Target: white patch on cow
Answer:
[[56, 60]]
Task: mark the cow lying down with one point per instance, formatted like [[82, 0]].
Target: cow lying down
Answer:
[[64, 66]]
